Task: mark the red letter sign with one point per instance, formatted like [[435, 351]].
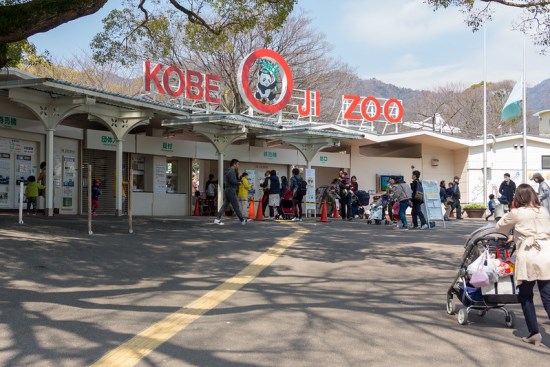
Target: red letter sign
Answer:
[[152, 75]]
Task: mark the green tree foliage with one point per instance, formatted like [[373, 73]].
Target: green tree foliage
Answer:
[[534, 20], [22, 19], [23, 54], [154, 26]]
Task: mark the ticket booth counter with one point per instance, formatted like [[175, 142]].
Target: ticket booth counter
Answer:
[[160, 185]]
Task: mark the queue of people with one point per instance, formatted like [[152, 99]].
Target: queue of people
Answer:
[[280, 197]]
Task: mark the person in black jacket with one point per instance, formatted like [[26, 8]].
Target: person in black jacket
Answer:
[[417, 200], [507, 188], [230, 193], [455, 191]]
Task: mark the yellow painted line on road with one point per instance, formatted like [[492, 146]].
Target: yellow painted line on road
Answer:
[[132, 351]]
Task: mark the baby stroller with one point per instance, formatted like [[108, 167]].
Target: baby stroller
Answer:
[[359, 199], [286, 206], [481, 299], [377, 209]]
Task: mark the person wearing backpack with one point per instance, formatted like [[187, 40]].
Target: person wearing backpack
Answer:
[[297, 187], [417, 200]]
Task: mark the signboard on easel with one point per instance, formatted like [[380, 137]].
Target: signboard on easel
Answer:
[[432, 202]]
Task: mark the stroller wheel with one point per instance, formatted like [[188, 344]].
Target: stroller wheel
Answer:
[[451, 307], [510, 319], [462, 316]]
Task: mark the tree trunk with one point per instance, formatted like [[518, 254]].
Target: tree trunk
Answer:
[[23, 20]]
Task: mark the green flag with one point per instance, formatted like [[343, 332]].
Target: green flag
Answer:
[[512, 107]]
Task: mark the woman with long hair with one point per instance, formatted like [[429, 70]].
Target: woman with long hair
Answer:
[[531, 225]]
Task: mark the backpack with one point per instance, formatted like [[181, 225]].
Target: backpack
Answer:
[[211, 189], [301, 187], [419, 195]]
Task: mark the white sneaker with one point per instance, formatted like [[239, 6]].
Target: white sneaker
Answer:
[[244, 221], [424, 226], [295, 219], [218, 222]]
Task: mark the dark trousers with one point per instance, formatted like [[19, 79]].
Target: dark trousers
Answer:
[[265, 202], [525, 297], [31, 201], [297, 206], [417, 213], [345, 206], [458, 208], [230, 197]]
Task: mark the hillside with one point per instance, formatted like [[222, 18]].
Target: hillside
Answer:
[[538, 97]]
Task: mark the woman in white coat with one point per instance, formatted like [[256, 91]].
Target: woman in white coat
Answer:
[[531, 224]]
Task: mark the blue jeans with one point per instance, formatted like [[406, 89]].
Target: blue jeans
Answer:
[[525, 297], [403, 205]]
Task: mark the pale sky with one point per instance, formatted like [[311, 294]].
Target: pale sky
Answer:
[[402, 42]]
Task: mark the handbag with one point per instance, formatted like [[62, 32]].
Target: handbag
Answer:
[[449, 200], [482, 271], [480, 278], [419, 196]]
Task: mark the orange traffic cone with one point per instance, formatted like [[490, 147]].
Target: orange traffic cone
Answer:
[[335, 212], [197, 212], [251, 209], [260, 211], [324, 217]]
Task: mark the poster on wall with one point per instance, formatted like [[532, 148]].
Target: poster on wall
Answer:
[[310, 195], [69, 171], [252, 181], [23, 169], [4, 179], [69, 177], [159, 185], [432, 202]]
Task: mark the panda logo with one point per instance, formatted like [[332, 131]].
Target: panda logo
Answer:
[[267, 86]]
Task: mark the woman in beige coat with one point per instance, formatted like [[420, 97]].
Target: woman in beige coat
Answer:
[[531, 224]]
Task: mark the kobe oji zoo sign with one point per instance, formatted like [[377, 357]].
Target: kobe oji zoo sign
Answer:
[[175, 82], [274, 86]]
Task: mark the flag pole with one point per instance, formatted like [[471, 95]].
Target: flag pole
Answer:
[[524, 163], [484, 114]]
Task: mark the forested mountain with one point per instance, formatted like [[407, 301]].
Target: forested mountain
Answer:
[[538, 97], [461, 106]]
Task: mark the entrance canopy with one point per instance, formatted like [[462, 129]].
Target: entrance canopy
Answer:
[[224, 129]]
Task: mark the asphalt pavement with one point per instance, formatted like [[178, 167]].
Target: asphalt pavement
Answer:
[[185, 292]]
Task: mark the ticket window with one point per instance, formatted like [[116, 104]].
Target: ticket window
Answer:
[[138, 171], [172, 176]]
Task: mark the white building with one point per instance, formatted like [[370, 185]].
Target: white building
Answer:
[[155, 146]]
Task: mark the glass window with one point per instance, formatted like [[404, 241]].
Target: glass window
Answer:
[[172, 176], [546, 162]]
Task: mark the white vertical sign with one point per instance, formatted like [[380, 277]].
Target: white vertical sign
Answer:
[[310, 195]]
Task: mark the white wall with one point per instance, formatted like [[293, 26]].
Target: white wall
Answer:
[[366, 168], [503, 158], [445, 168]]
